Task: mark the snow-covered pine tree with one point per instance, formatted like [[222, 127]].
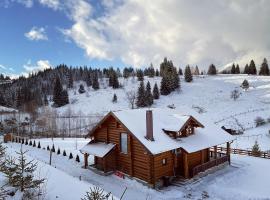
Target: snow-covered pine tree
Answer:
[[188, 75], [157, 72], [140, 102], [256, 149], [114, 99], [81, 89], [196, 71], [95, 83], [245, 85], [151, 71], [233, 69], [237, 69], [246, 69], [149, 100], [23, 176], [252, 68], [164, 86], [264, 70], [140, 75], [156, 92], [180, 72], [212, 70]]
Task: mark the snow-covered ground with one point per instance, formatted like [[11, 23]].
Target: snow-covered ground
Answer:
[[210, 93], [245, 179]]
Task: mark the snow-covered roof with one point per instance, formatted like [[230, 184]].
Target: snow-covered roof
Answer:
[[98, 149], [169, 119]]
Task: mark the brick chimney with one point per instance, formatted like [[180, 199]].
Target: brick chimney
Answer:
[[149, 125]]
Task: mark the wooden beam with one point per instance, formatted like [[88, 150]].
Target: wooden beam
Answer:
[[186, 170], [202, 156], [228, 152], [85, 160], [215, 152], [131, 155]]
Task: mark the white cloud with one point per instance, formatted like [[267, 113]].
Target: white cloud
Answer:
[[39, 66], [54, 4], [196, 32], [36, 34], [2, 67]]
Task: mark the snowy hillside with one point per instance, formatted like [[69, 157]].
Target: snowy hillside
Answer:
[[207, 96]]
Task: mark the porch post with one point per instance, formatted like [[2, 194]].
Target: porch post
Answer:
[[215, 152], [85, 160], [186, 170], [228, 152]]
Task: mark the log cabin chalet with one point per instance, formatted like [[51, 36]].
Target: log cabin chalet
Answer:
[[155, 145]]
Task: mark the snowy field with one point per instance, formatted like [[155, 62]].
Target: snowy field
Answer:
[[209, 93], [244, 179]]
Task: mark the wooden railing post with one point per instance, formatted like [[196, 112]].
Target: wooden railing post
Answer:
[[228, 152]]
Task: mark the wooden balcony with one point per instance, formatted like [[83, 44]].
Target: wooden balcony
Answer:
[[220, 159]]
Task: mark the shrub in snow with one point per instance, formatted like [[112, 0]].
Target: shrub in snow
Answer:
[[64, 153], [81, 89], [70, 156], [96, 193], [259, 121], [26, 142], [256, 149], [77, 158], [22, 141], [34, 144], [30, 143], [245, 85], [114, 100], [58, 151], [235, 94], [38, 146], [48, 148], [53, 148]]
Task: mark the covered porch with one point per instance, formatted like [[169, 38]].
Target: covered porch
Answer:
[[214, 158], [104, 156]]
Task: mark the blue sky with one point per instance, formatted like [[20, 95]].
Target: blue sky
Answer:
[[17, 50], [36, 34]]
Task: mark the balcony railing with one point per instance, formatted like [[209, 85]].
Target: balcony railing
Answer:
[[205, 166]]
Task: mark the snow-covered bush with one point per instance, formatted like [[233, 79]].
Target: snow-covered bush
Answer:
[[259, 121], [96, 193], [235, 94]]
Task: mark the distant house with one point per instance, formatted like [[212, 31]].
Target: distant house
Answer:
[[155, 145]]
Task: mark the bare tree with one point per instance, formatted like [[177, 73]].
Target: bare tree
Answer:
[[131, 97]]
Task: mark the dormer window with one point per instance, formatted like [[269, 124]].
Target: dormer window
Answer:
[[189, 130]]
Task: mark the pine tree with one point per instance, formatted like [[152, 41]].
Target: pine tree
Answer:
[[64, 153], [151, 70], [2, 157], [245, 85], [95, 82], [237, 69], [252, 68], [58, 151], [77, 158], [81, 89], [212, 70], [114, 79], [70, 156], [256, 149], [188, 75], [57, 93], [156, 92], [114, 100], [157, 72], [23, 176], [39, 145], [140, 102], [233, 69], [34, 144], [196, 71], [65, 99], [96, 194], [70, 80], [45, 100], [140, 75], [264, 70], [53, 148], [149, 100], [246, 70], [164, 86]]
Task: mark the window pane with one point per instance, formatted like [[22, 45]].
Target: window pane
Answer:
[[124, 143]]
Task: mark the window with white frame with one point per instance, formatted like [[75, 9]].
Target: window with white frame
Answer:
[[124, 143]]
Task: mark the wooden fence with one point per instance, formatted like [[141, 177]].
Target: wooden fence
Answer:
[[260, 154]]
